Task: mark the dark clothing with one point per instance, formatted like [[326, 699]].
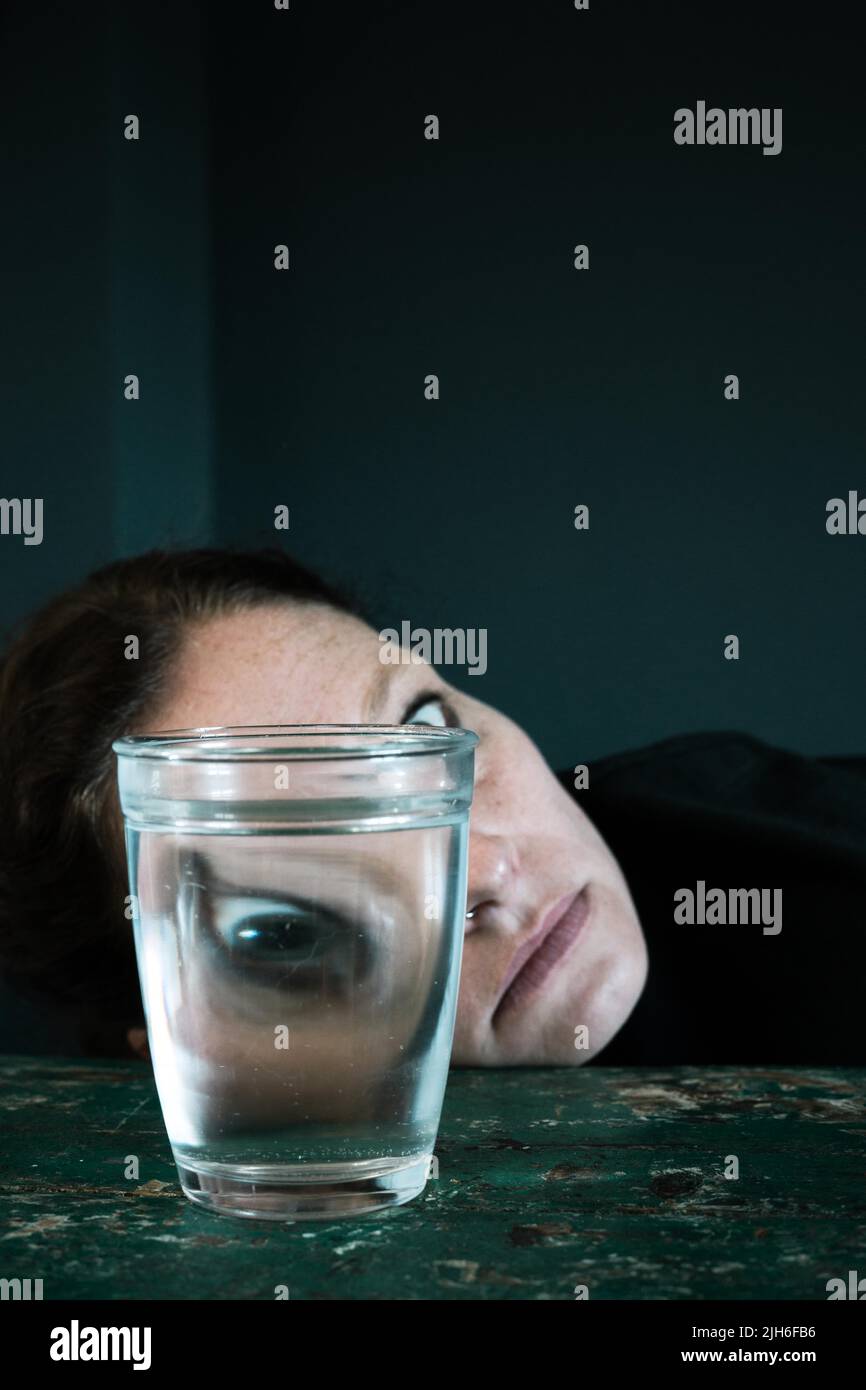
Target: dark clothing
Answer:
[[734, 812]]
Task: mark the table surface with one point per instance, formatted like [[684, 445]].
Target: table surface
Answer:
[[548, 1179]]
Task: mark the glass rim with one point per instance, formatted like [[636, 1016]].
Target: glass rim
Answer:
[[231, 742]]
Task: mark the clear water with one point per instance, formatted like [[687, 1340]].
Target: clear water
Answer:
[[300, 985]]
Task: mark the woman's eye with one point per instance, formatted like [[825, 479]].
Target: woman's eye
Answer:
[[299, 945], [432, 711]]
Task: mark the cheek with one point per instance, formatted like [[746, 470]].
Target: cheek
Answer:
[[475, 1000], [596, 986], [513, 783], [607, 972]]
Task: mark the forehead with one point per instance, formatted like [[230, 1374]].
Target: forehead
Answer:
[[293, 663]]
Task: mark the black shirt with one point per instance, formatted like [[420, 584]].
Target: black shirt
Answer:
[[733, 812]]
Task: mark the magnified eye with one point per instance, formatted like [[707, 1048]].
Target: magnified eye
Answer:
[[294, 945]]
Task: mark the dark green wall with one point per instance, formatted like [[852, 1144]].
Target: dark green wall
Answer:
[[105, 271], [411, 257], [558, 387], [454, 257]]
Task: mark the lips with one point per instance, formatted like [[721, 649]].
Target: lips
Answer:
[[538, 956]]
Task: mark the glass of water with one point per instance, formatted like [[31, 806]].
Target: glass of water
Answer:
[[298, 900]]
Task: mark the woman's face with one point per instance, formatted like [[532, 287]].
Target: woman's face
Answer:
[[552, 943]]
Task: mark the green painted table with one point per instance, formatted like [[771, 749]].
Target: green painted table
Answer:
[[548, 1179]]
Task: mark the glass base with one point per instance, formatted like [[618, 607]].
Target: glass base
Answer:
[[308, 1192]]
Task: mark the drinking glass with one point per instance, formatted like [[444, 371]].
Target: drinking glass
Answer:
[[298, 900]]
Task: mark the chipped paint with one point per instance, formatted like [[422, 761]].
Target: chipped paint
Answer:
[[550, 1177]]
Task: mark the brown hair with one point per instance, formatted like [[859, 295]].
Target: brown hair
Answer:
[[66, 691]]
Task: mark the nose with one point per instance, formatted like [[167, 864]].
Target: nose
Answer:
[[493, 861]]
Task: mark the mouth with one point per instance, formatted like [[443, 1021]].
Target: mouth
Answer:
[[541, 954]]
